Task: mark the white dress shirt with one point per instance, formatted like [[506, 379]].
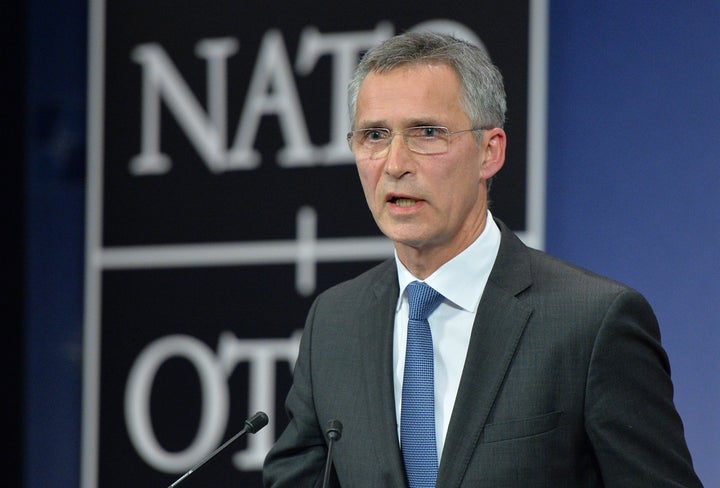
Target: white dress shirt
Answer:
[[462, 282]]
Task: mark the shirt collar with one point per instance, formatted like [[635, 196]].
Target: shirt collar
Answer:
[[462, 279]]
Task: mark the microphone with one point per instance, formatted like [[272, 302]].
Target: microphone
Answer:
[[252, 425], [333, 433]]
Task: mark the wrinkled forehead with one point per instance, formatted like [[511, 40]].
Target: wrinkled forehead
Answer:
[[411, 94]]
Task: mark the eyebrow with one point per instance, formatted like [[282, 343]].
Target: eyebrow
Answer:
[[370, 125], [424, 122]]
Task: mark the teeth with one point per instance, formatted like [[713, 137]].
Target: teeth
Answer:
[[404, 202]]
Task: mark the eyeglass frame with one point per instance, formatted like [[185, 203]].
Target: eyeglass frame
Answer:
[[405, 133]]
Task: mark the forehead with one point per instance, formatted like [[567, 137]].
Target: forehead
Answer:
[[427, 93]]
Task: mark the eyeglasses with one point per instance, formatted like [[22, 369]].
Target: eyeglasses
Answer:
[[374, 141]]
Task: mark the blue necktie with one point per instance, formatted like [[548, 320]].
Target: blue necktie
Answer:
[[417, 415]]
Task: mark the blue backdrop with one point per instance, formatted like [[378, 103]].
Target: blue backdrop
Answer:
[[633, 192]]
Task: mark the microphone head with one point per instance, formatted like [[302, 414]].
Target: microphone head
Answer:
[[334, 430], [256, 422]]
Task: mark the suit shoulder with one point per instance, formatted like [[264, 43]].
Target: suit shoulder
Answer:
[[548, 267], [554, 275], [519, 267]]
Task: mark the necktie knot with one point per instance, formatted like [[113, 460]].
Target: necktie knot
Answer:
[[423, 300]]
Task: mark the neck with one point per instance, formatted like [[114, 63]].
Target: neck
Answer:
[[422, 261]]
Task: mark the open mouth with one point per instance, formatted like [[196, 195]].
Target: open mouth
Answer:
[[402, 201]]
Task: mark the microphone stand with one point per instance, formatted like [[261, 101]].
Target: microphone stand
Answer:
[[333, 433], [252, 425]]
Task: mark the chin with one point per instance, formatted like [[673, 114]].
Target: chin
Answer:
[[409, 240]]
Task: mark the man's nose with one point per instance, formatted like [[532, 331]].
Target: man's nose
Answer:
[[399, 159]]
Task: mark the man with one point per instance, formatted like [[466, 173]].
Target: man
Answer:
[[541, 374]]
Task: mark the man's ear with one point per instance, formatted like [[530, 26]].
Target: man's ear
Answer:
[[494, 143]]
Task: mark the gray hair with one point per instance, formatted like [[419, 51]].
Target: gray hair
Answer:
[[483, 94]]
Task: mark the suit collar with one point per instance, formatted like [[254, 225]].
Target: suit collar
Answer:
[[512, 270], [499, 324]]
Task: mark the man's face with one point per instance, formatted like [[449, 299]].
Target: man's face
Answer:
[[428, 203]]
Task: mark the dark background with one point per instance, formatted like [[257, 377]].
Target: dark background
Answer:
[[12, 128], [633, 180]]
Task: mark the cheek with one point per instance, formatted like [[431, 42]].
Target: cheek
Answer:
[[467, 175], [460, 188], [368, 180], [368, 176]]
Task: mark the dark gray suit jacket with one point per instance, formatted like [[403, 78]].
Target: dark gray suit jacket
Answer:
[[565, 385]]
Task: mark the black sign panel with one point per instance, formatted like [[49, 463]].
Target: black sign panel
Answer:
[[223, 198]]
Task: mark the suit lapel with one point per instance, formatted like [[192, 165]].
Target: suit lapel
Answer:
[[378, 371], [498, 327]]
